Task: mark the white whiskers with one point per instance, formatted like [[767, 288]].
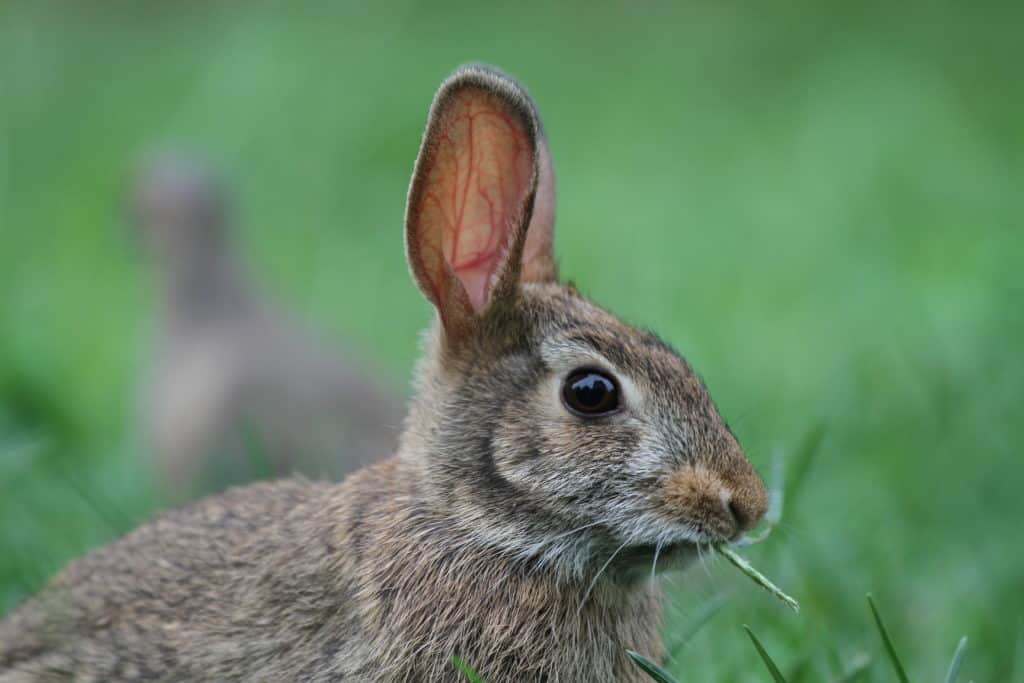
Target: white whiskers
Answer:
[[600, 571], [654, 565], [573, 531], [704, 564]]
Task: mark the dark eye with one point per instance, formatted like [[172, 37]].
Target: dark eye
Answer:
[[588, 392]]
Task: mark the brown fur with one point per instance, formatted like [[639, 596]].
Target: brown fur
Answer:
[[506, 530]]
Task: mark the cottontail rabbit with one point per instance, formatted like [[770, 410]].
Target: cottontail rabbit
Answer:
[[552, 457], [235, 388]]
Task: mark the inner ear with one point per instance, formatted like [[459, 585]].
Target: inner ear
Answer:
[[477, 188], [472, 192]]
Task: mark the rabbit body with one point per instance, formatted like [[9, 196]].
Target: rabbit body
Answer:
[[298, 601], [554, 459], [236, 389]]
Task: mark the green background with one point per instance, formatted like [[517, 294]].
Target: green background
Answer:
[[819, 203]]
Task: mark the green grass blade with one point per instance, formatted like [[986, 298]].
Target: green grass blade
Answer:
[[772, 669], [467, 671], [958, 659], [759, 578], [650, 668], [889, 648]]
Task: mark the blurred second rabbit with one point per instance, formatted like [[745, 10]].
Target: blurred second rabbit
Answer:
[[237, 390]]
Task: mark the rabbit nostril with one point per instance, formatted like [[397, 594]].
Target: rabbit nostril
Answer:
[[747, 509], [739, 515]]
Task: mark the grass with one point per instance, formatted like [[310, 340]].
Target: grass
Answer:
[[660, 675], [818, 204], [655, 672], [471, 675], [958, 659], [769, 663], [757, 577], [890, 649]]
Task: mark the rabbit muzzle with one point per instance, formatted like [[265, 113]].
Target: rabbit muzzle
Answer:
[[716, 506]]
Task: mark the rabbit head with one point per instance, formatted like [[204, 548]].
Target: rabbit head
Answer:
[[545, 426], [179, 210]]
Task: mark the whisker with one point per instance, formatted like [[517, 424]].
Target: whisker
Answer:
[[573, 531], [703, 563], [542, 551], [600, 571], [654, 565]]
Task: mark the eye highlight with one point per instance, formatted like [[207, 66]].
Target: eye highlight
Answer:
[[590, 393]]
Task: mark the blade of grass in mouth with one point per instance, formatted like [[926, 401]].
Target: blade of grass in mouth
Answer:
[[760, 579]]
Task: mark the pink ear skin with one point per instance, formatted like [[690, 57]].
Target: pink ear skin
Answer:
[[472, 193]]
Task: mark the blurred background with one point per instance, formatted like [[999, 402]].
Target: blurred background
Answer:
[[819, 204]]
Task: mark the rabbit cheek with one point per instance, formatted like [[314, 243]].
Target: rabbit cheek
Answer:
[[559, 458]]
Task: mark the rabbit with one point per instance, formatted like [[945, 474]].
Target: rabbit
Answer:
[[553, 459], [234, 383]]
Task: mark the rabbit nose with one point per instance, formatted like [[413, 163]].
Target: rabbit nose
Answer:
[[747, 511], [725, 506], [748, 498]]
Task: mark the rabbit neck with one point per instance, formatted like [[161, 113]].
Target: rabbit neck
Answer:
[[208, 284], [430, 589], [468, 569]]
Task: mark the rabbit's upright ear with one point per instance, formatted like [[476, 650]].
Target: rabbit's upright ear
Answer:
[[481, 203]]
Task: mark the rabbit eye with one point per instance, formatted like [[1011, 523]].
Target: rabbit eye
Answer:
[[590, 393]]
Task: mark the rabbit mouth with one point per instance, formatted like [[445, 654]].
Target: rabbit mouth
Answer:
[[665, 555]]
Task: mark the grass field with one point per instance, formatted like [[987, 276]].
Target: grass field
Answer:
[[821, 205]]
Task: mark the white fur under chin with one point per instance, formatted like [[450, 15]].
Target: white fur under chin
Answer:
[[574, 554]]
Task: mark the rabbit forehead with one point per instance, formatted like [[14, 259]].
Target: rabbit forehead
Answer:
[[575, 331]]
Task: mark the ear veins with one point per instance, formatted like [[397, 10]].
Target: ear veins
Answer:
[[479, 179]]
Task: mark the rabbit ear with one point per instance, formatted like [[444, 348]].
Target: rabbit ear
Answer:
[[472, 196], [539, 251]]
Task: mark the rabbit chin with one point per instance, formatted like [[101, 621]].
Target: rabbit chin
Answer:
[[639, 561]]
